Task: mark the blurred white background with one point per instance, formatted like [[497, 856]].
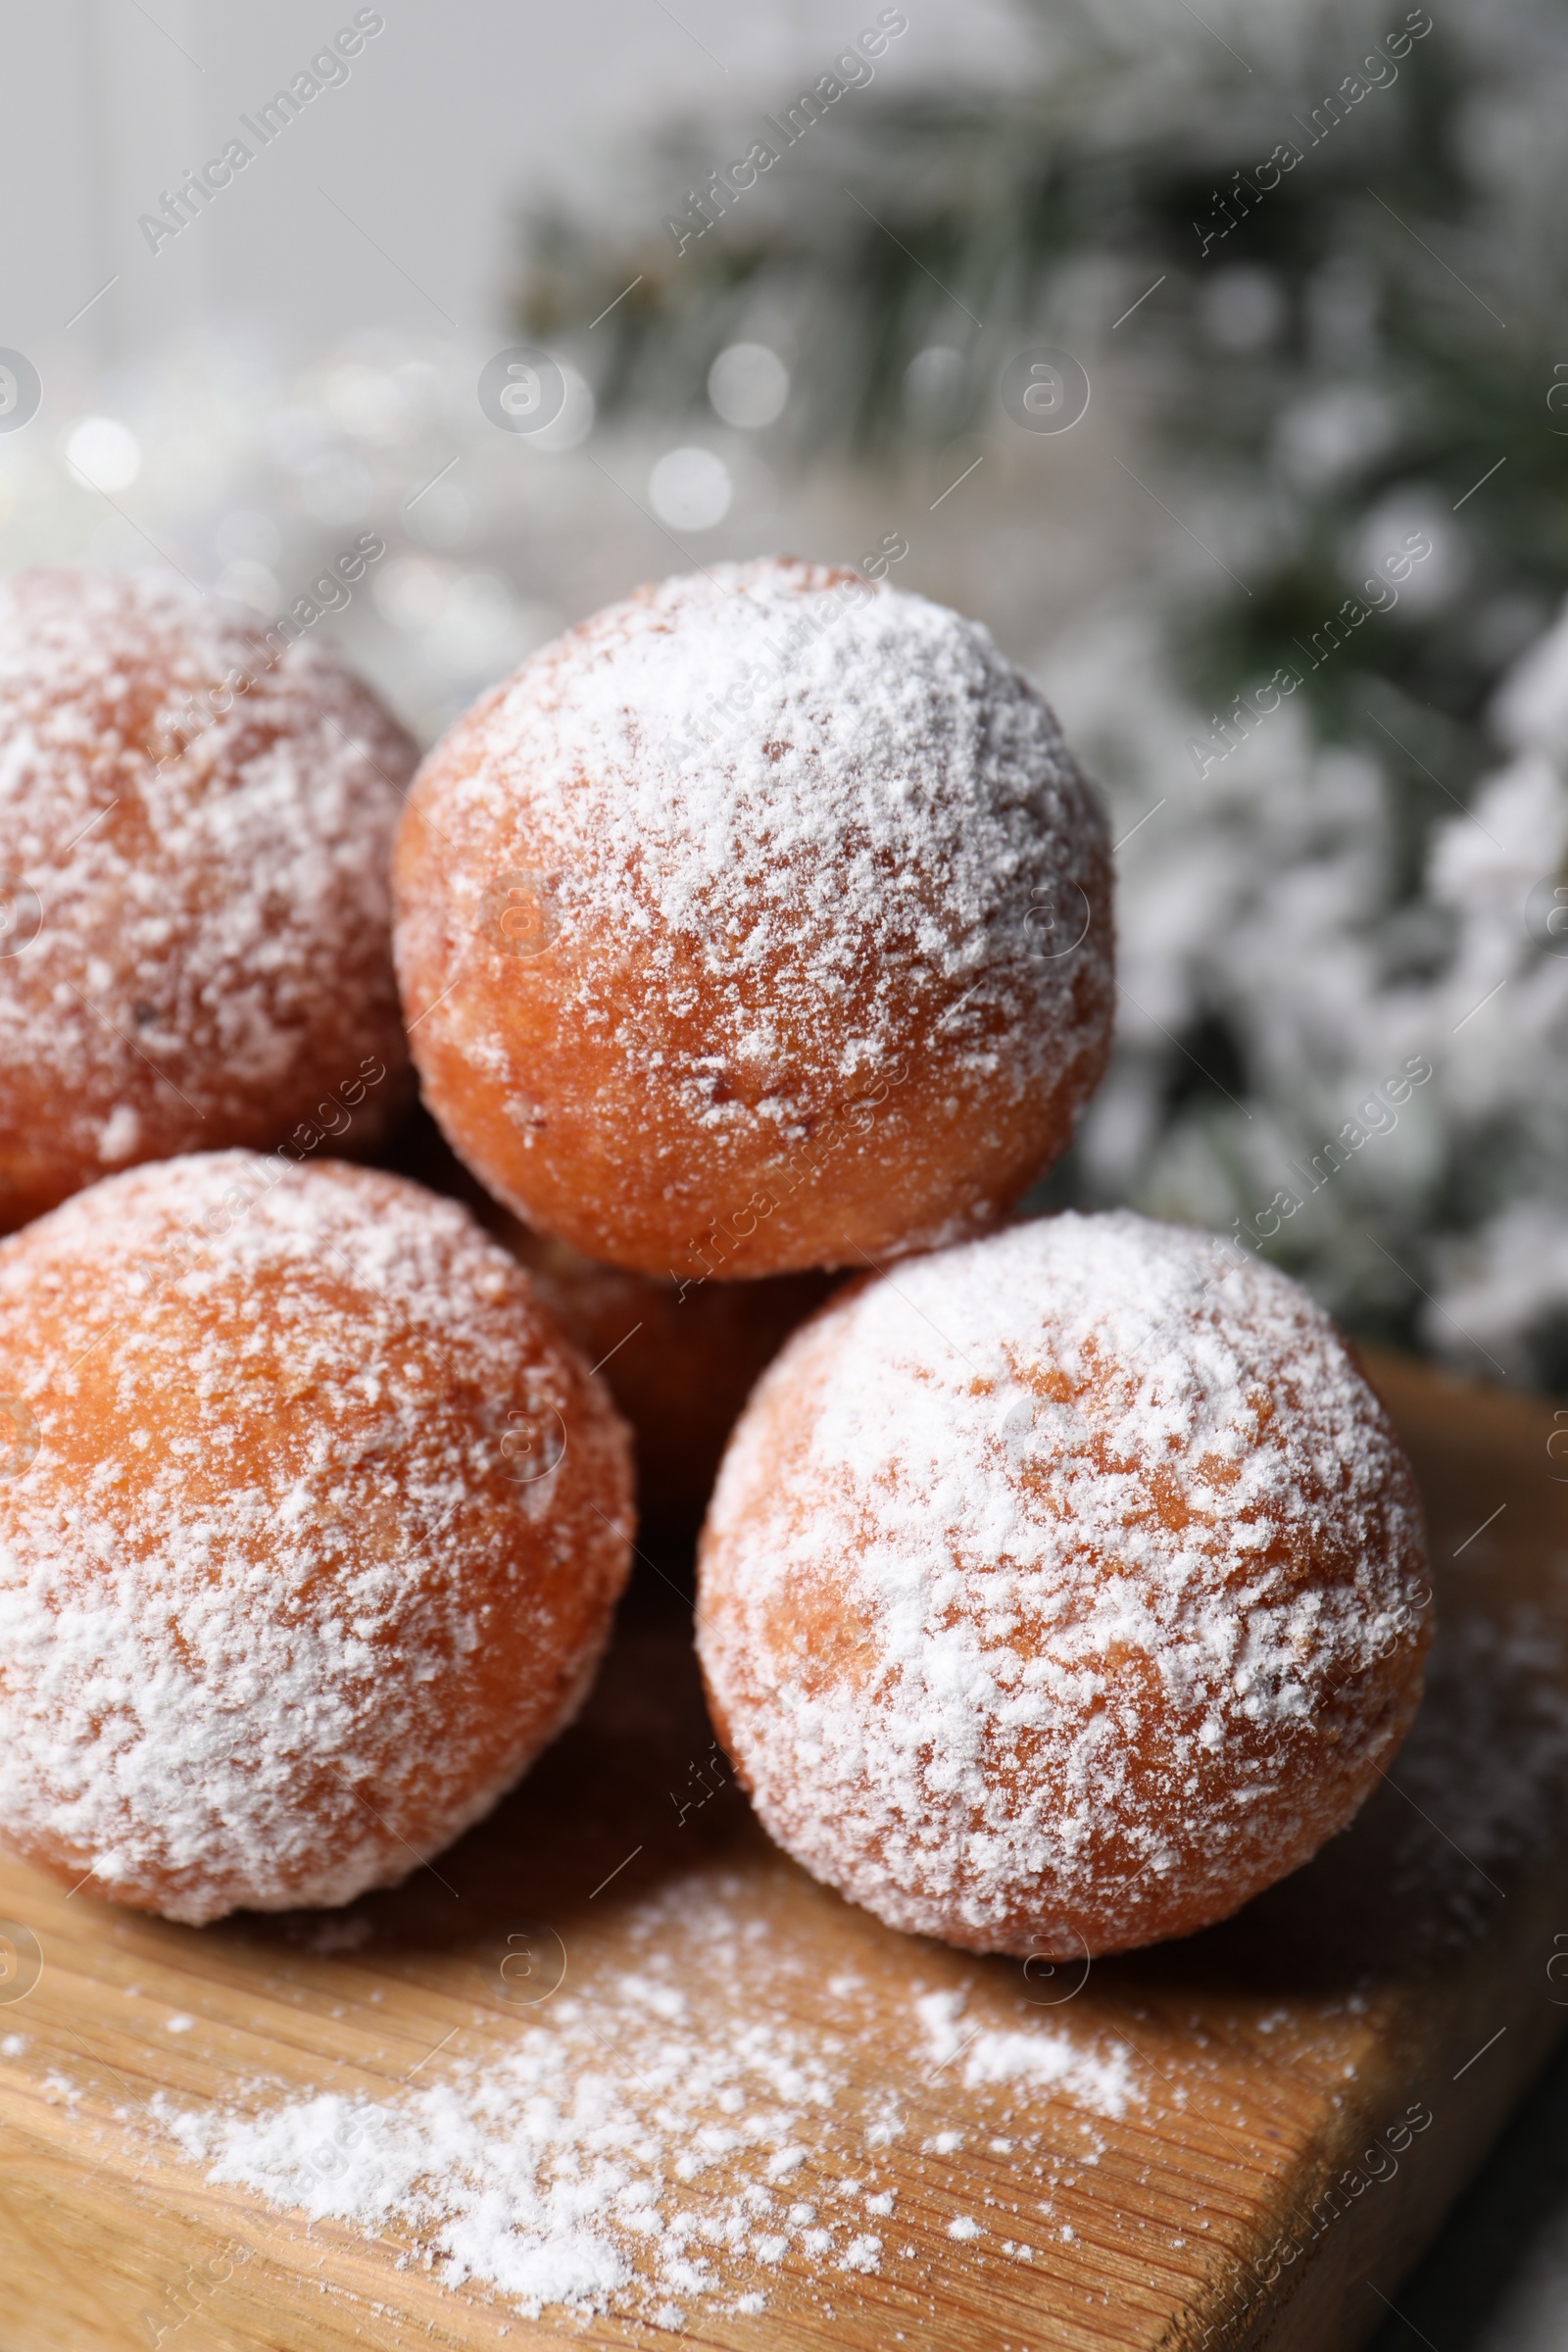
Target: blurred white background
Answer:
[[450, 117]]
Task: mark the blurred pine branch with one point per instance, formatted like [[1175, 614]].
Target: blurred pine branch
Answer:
[[1019, 208]]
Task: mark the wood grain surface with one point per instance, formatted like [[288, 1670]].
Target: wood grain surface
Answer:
[[1302, 2090]]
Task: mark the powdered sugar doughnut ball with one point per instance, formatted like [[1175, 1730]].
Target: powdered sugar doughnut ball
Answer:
[[196, 819], [1064, 1590], [679, 1364], [310, 1538], [679, 1358], [760, 922]]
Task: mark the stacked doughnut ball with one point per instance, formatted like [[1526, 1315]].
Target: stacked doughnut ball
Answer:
[[1060, 1585]]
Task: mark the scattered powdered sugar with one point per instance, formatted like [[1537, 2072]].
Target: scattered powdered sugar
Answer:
[[682, 2131], [819, 814], [1052, 2060], [1054, 1579], [270, 1539], [716, 2111], [206, 865]]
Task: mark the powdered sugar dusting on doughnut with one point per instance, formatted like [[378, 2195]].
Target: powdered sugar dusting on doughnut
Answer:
[[823, 822], [207, 862], [1058, 1577], [253, 1584], [834, 785]]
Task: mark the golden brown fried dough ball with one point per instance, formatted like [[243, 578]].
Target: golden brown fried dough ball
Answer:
[[312, 1526], [679, 1358], [680, 1365], [1062, 1590], [195, 828], [763, 922]]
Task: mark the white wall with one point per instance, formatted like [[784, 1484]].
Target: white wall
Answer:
[[453, 112]]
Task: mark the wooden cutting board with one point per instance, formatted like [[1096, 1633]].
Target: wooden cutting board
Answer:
[[1243, 2140]]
